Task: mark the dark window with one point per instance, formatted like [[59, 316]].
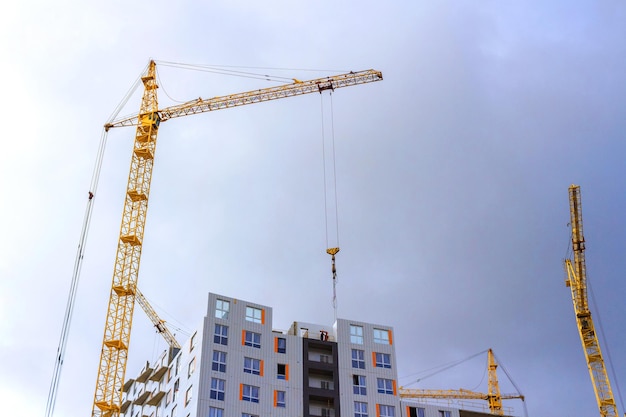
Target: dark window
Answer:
[[358, 359], [253, 339], [386, 410], [217, 389], [250, 393], [219, 361], [281, 345], [221, 334], [383, 360], [252, 366], [216, 412], [280, 399], [385, 386], [358, 385], [281, 371]]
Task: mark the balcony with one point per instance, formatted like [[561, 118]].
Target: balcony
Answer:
[[145, 374], [321, 410], [319, 357], [156, 398]]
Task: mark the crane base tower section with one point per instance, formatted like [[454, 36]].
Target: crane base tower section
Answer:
[[237, 365]]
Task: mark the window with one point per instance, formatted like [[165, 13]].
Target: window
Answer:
[[217, 389], [250, 393], [168, 398], [177, 365], [356, 334], [358, 359], [174, 411], [176, 386], [216, 412], [360, 409], [281, 345], [252, 339], [192, 342], [382, 360], [386, 411], [358, 385], [382, 336], [417, 412], [444, 413], [188, 395], [191, 367], [282, 371], [221, 309], [221, 335], [385, 386], [255, 315], [252, 366], [219, 361], [248, 415], [279, 399]]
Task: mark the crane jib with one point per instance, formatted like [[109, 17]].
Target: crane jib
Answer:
[[296, 88]]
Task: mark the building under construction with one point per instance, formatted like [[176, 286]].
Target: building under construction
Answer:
[[238, 365]]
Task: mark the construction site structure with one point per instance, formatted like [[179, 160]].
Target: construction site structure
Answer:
[[577, 281], [493, 397], [158, 323], [237, 364], [116, 340]]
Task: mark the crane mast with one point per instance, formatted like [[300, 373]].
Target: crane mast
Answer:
[[577, 281], [495, 399], [116, 340]]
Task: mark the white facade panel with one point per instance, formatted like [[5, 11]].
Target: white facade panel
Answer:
[[362, 340]]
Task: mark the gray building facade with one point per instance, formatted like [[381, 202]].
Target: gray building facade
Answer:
[[237, 365]]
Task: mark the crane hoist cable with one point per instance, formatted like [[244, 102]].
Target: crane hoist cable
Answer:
[[330, 194]]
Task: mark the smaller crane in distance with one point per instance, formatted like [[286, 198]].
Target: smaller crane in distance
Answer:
[[577, 281], [157, 322], [493, 397]]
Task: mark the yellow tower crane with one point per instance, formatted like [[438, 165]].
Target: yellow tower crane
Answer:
[[116, 340], [493, 397], [577, 281]]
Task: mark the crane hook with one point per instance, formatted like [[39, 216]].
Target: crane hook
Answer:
[[332, 252]]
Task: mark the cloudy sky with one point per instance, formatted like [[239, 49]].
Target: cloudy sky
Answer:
[[452, 179]]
